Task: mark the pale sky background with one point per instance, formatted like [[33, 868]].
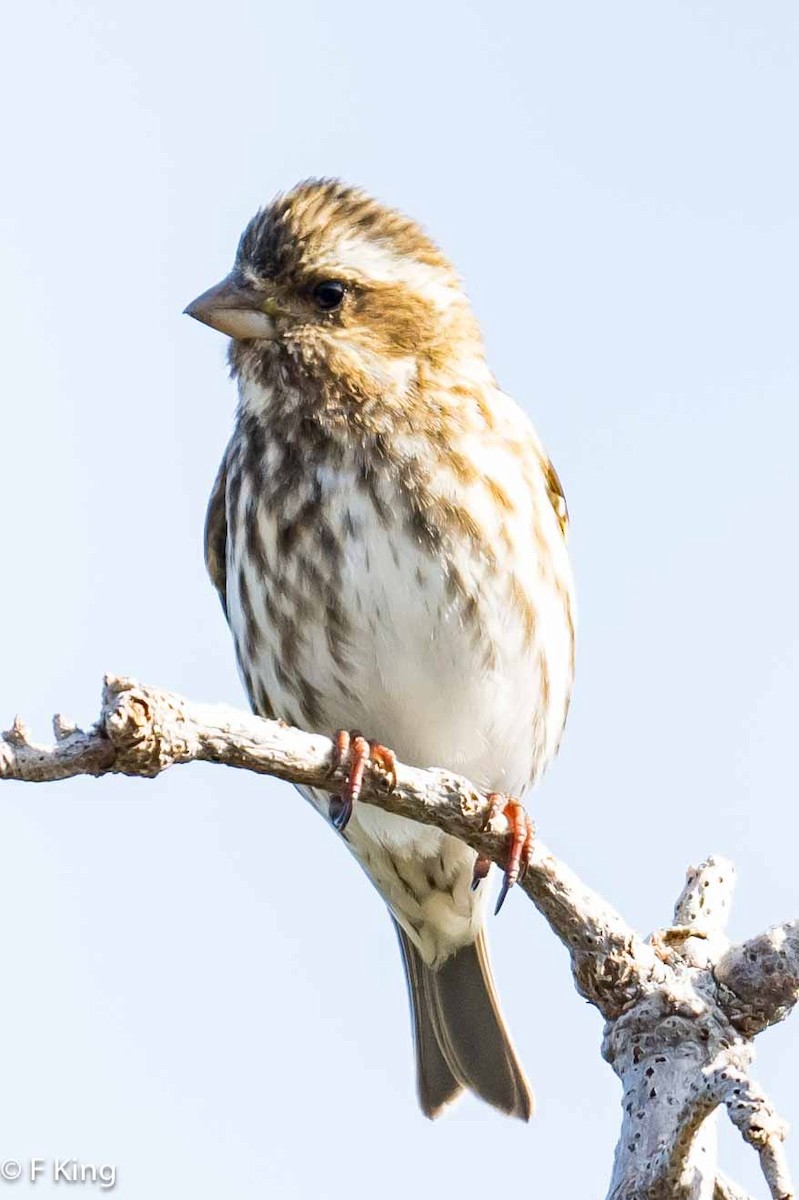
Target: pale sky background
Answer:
[[183, 994]]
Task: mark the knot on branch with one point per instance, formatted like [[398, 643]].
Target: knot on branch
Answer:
[[611, 974], [147, 729], [675, 1018], [759, 980]]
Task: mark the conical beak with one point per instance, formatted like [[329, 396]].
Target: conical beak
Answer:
[[234, 308]]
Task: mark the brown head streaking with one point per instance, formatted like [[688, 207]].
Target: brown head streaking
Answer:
[[387, 537]]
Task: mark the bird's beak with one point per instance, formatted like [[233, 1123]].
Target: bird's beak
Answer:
[[235, 308]]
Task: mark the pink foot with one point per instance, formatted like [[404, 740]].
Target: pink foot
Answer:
[[352, 751], [522, 835]]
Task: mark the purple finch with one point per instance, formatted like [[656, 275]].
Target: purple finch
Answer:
[[387, 537]]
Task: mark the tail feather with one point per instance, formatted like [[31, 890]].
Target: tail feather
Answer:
[[436, 1085], [459, 1032]]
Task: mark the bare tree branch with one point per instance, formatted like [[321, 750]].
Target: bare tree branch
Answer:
[[702, 911], [754, 1117], [142, 731], [762, 976], [681, 1008]]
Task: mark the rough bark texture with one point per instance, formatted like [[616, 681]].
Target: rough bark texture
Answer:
[[681, 1007]]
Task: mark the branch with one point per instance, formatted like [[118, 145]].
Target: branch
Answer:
[[753, 1115], [702, 911], [680, 1008], [143, 731], [762, 977]]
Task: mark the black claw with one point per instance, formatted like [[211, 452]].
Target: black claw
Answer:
[[340, 812], [482, 866], [503, 891]]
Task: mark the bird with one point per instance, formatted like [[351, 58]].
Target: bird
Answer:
[[388, 539]]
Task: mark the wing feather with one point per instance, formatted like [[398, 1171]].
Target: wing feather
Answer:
[[216, 533], [556, 496]]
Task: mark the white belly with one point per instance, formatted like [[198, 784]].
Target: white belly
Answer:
[[444, 681]]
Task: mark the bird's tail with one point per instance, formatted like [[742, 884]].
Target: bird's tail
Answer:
[[459, 1033]]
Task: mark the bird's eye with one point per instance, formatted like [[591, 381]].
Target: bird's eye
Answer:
[[328, 294]]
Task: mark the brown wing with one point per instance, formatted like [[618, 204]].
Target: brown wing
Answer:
[[216, 534], [556, 496]]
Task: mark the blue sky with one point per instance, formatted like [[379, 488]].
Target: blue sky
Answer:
[[619, 186]]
